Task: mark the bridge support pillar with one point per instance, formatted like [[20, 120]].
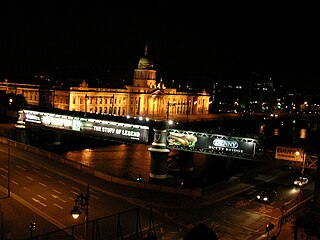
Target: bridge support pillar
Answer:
[[159, 153], [186, 161]]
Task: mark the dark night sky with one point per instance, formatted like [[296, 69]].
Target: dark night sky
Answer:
[[206, 43]]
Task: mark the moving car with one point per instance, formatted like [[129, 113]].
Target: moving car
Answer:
[[266, 195], [300, 181]]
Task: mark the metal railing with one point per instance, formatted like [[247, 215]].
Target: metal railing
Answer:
[[106, 228]]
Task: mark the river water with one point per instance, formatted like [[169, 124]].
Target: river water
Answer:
[[129, 160]]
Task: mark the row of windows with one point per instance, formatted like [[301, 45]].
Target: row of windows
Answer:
[[99, 100], [145, 75], [31, 97], [105, 110]]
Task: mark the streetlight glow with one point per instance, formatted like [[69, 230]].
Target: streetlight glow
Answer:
[[303, 159], [82, 203], [75, 212]]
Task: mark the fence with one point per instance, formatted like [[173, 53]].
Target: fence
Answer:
[[295, 211], [107, 228]]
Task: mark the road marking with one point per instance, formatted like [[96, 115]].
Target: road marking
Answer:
[[265, 210], [56, 191], [21, 167], [56, 197], [94, 196], [17, 172], [3, 176], [35, 166], [14, 182], [48, 176], [61, 182], [38, 211], [42, 184], [27, 189], [30, 178], [5, 170], [42, 197], [76, 189], [35, 170], [37, 201], [58, 206], [74, 192], [95, 192]]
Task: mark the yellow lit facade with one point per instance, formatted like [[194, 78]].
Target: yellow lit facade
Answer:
[[145, 97]]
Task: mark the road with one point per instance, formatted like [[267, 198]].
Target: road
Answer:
[[44, 192], [49, 191], [238, 213]]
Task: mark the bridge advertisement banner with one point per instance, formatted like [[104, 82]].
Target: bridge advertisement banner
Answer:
[[211, 143], [96, 127], [116, 130]]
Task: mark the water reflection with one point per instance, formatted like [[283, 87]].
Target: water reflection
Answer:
[[128, 161], [123, 160]]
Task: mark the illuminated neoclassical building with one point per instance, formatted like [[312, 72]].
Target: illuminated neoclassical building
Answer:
[[145, 97]]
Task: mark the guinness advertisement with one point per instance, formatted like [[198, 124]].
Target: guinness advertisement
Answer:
[[194, 141], [121, 131], [108, 129]]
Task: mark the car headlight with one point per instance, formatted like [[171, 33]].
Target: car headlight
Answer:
[[258, 196], [265, 199]]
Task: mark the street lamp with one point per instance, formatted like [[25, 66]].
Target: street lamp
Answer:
[[9, 156], [303, 160], [82, 203], [168, 109], [188, 101], [85, 104], [32, 228], [302, 171]]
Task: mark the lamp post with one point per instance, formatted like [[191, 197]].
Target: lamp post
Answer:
[[303, 160], [85, 104], [302, 171], [187, 110], [81, 202], [9, 156], [168, 108], [32, 228]]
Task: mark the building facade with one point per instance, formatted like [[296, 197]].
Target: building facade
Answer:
[[146, 97]]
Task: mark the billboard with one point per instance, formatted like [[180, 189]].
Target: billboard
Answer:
[[290, 153], [213, 143], [96, 127]]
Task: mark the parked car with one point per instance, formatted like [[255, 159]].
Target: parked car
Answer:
[[300, 181], [266, 195]]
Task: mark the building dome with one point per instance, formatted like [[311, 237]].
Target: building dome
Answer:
[[145, 62]]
